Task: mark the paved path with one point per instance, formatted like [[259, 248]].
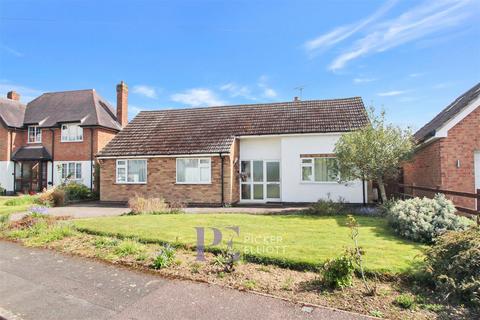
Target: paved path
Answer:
[[42, 284], [99, 209]]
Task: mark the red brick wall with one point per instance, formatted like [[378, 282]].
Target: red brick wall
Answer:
[[161, 183], [71, 151], [4, 143], [435, 165]]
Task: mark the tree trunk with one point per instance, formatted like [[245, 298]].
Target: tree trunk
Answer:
[[381, 186]]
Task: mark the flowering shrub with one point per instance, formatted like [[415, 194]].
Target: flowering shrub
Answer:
[[424, 219], [38, 210]]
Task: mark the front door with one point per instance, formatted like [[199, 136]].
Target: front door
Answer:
[[30, 176], [260, 180]]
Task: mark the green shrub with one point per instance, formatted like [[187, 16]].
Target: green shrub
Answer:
[[164, 258], [424, 219], [405, 301], [129, 247], [327, 207], [454, 265], [4, 218], [226, 260], [339, 272], [76, 191]]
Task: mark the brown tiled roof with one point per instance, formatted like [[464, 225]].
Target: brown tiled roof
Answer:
[[448, 113], [12, 113], [213, 129], [84, 106]]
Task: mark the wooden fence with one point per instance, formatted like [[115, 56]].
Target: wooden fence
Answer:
[[470, 195]]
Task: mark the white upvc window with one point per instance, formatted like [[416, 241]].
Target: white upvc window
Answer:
[[321, 169], [194, 170], [132, 171], [72, 132], [34, 134], [72, 170]]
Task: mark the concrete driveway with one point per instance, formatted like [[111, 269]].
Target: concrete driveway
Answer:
[[103, 209], [43, 284]]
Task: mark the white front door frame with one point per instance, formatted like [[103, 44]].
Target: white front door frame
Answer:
[[264, 181]]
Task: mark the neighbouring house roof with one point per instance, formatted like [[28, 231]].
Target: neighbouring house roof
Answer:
[[213, 129], [31, 153], [84, 106], [447, 114], [12, 113]]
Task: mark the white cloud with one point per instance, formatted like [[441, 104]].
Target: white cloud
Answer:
[[11, 51], [416, 74], [27, 94], [145, 91], [423, 20], [343, 32], [198, 97], [391, 93], [363, 80], [236, 90], [268, 91]]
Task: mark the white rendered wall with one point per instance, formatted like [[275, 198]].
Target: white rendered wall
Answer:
[[288, 149], [6, 175]]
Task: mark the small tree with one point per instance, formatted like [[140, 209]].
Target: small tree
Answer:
[[374, 152]]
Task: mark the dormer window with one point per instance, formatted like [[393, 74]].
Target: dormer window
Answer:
[[34, 134], [72, 132]]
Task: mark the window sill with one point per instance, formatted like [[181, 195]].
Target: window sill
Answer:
[[133, 183], [200, 183], [62, 141], [320, 182]]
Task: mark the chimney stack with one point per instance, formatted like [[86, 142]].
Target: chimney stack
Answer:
[[295, 99], [122, 104], [13, 95]]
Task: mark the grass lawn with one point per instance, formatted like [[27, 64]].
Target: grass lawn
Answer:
[[293, 239], [21, 206]]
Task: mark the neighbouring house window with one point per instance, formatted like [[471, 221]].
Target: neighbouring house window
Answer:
[[131, 171], [72, 132], [34, 134], [319, 169], [194, 170], [72, 170]]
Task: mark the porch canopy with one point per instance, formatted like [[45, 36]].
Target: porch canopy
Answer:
[[32, 153]]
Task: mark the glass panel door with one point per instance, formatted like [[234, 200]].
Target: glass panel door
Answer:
[[260, 180], [272, 180]]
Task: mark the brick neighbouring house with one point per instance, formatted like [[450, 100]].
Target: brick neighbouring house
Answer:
[[448, 150], [276, 152], [55, 136]]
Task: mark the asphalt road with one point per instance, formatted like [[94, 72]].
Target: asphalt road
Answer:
[[42, 284]]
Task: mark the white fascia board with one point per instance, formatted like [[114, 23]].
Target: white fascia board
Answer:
[[442, 132], [292, 135], [169, 156]]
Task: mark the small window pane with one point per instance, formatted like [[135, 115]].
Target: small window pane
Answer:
[[258, 171], [121, 176], [325, 169], [306, 160], [246, 192], [258, 191], [245, 171], [273, 171], [205, 174], [307, 174], [273, 191], [78, 171]]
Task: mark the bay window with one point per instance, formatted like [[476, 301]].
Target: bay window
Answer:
[[34, 134], [322, 169], [72, 133], [194, 170], [131, 171]]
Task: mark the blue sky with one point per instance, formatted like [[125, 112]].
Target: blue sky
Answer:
[[410, 57]]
